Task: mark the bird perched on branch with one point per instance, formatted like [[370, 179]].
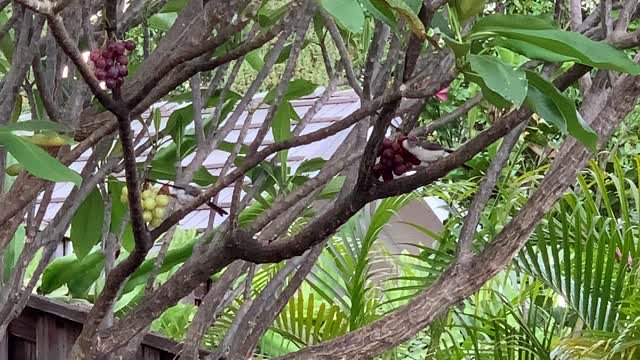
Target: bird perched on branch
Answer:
[[186, 193], [425, 151]]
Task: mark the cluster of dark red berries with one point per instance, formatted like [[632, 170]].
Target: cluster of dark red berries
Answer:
[[110, 62], [393, 159]]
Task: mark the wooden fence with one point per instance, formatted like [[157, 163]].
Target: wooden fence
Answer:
[[47, 329]]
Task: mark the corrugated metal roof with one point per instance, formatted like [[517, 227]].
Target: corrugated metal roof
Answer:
[[341, 104]]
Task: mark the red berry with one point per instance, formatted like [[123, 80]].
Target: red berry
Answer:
[[412, 159], [387, 175], [399, 170], [400, 139], [106, 54], [111, 83], [386, 143], [119, 48], [129, 45], [388, 163], [377, 170], [408, 166], [111, 46], [101, 74], [100, 63], [109, 62], [396, 147], [113, 72], [94, 55], [388, 153], [398, 159], [123, 71], [123, 60]]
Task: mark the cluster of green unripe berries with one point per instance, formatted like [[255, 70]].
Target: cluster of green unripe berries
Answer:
[[153, 203]]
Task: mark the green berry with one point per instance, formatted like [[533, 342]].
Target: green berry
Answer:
[[147, 216], [158, 213], [147, 194], [162, 200], [149, 204], [14, 169], [124, 198], [156, 222], [125, 191]]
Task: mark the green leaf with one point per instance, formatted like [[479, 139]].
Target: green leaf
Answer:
[[173, 6], [173, 257], [6, 42], [441, 22], [78, 275], [566, 44], [296, 89], [311, 165], [118, 210], [86, 225], [532, 51], [347, 13], [86, 272], [37, 161], [504, 79], [548, 102], [282, 122], [164, 169], [332, 188], [268, 17], [17, 110], [410, 15], [459, 49], [254, 59], [466, 9], [381, 11], [35, 125], [178, 121], [12, 251], [286, 52], [500, 21], [57, 273], [162, 21], [490, 95]]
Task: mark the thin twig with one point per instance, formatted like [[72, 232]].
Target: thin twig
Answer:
[[197, 109], [376, 49], [628, 9], [448, 118], [345, 59], [482, 196]]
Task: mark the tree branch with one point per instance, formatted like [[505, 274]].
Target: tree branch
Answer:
[[205, 316]]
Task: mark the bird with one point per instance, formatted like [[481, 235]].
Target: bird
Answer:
[[186, 193], [425, 151]]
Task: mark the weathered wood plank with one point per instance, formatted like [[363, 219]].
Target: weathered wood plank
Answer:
[[47, 329], [21, 349]]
